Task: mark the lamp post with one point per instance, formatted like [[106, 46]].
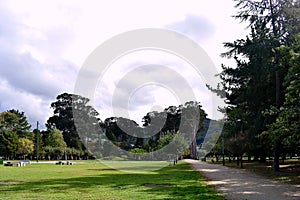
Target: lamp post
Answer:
[[241, 129], [223, 152], [37, 141]]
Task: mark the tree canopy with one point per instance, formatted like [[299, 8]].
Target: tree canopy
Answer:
[[255, 86]]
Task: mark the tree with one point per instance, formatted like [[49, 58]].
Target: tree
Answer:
[[65, 106], [55, 144], [254, 85], [186, 119], [8, 137], [22, 126], [9, 121], [286, 128], [13, 125], [55, 139], [39, 141], [138, 153], [8, 143], [26, 147], [175, 141], [192, 122], [14, 120]]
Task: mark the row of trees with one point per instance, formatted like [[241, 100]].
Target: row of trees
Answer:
[[262, 91], [75, 130], [17, 140], [159, 129]]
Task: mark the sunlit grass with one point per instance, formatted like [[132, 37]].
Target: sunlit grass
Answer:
[[135, 166], [93, 180]]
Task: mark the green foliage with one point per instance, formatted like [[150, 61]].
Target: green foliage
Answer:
[[138, 150], [22, 126], [16, 121], [255, 85], [54, 152], [175, 141], [286, 128], [9, 121], [8, 143], [161, 125], [55, 144], [26, 147], [165, 139], [138, 153], [71, 108], [55, 139], [13, 125]]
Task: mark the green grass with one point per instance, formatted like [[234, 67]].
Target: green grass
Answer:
[[93, 180]]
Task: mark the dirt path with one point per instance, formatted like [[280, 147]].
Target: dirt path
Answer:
[[237, 184]]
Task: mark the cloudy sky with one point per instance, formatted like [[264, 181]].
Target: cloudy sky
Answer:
[[45, 43]]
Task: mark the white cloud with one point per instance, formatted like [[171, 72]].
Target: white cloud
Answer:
[[44, 43], [35, 108], [143, 79]]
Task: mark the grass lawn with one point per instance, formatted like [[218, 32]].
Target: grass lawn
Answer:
[[93, 180], [289, 170]]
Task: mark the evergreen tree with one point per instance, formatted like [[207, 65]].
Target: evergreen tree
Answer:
[[255, 84]]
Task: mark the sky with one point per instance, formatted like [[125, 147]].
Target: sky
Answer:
[[44, 45]]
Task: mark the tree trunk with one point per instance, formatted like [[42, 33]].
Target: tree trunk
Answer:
[[276, 157], [217, 157], [241, 161], [283, 157], [193, 150], [263, 158]]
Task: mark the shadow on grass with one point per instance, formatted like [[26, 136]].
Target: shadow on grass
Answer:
[[178, 182]]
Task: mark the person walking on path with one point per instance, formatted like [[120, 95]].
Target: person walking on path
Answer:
[[237, 184]]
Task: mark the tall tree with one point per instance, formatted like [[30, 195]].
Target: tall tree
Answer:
[[286, 128], [10, 125], [65, 106], [55, 139], [192, 118], [9, 121], [255, 84], [22, 126], [8, 143], [55, 144]]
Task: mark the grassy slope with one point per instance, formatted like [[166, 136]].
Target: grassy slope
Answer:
[[95, 181]]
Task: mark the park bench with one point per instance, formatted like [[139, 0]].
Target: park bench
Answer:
[[63, 163], [26, 161], [18, 164]]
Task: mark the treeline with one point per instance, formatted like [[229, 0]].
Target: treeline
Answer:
[[263, 90], [75, 131], [17, 141], [159, 129], [116, 136]]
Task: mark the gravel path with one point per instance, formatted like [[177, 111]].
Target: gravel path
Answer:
[[238, 184]]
